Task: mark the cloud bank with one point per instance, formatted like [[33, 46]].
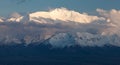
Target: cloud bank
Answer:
[[61, 27], [66, 15], [113, 19]]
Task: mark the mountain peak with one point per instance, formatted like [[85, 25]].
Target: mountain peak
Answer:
[[59, 14], [65, 15]]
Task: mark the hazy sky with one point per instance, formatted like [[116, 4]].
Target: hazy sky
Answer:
[[23, 6]]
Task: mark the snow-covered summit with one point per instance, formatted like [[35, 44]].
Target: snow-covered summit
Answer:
[[61, 14], [65, 15], [15, 17]]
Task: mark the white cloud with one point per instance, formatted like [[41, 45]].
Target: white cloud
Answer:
[[66, 15], [100, 30], [113, 19], [1, 20]]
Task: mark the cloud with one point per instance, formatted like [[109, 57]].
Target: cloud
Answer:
[[113, 19], [66, 15], [101, 31], [1, 20], [68, 28]]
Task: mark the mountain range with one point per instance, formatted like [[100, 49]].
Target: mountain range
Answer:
[[59, 27], [59, 37]]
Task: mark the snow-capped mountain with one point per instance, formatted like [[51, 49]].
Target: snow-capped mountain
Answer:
[[65, 15], [59, 27], [83, 39], [14, 17], [39, 34], [61, 14], [62, 40]]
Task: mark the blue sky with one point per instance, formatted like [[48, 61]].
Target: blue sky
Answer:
[[89, 6]]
